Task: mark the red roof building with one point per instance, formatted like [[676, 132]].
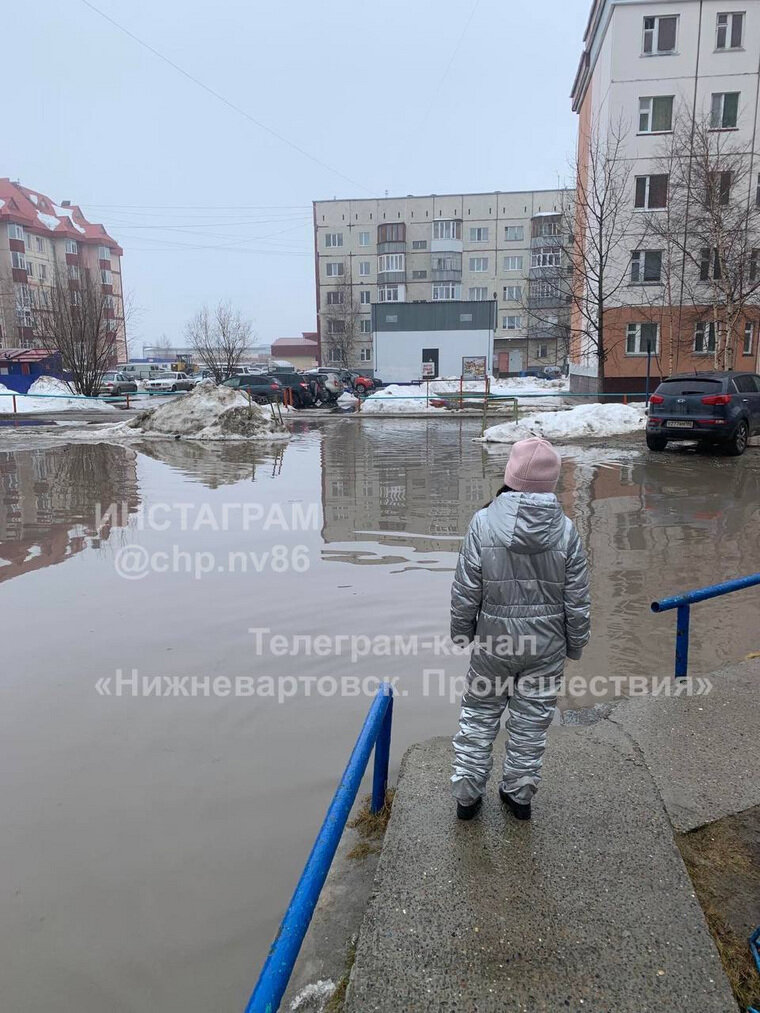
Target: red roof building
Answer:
[[38, 239], [303, 352]]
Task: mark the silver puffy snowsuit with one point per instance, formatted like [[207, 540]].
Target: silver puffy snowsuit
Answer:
[[521, 592]]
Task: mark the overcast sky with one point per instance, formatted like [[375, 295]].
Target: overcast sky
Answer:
[[402, 96]]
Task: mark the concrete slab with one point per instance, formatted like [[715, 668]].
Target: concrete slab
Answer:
[[703, 751], [586, 908]]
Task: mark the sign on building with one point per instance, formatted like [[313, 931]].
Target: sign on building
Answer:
[[474, 367]]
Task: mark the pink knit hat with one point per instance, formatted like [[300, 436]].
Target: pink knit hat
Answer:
[[533, 466]]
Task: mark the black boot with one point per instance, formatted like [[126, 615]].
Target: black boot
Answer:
[[521, 810], [466, 812]]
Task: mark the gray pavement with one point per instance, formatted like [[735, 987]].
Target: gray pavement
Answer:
[[589, 906]]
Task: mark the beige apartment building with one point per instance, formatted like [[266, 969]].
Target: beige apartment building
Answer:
[[41, 240], [504, 247]]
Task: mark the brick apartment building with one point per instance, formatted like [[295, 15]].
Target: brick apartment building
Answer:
[[40, 240], [653, 66], [501, 247]]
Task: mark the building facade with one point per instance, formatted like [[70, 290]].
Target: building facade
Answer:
[[678, 83], [41, 241], [501, 247]]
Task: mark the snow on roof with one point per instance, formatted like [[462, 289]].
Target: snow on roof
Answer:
[[543, 214], [33, 210]]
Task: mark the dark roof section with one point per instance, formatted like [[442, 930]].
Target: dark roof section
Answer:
[[446, 315]]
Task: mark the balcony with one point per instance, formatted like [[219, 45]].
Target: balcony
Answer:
[[395, 247], [391, 277], [448, 268]]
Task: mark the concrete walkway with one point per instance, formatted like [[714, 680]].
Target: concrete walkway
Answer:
[[589, 906]]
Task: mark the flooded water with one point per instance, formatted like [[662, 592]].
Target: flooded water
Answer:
[[149, 842]]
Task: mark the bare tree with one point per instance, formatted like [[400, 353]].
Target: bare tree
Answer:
[[600, 218], [75, 317], [219, 338], [342, 319], [712, 230]]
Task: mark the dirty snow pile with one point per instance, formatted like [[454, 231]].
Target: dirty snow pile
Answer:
[[210, 413], [64, 401], [583, 420], [396, 400]]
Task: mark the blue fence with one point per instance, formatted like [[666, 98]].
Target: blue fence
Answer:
[[683, 603], [375, 734]]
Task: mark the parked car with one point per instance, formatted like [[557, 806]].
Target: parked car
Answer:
[[361, 383], [298, 385], [332, 381], [170, 382], [552, 372], [117, 383], [262, 389], [719, 409]]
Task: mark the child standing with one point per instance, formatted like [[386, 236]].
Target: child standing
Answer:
[[521, 593]]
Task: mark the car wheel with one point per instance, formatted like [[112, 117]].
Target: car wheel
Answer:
[[174, 388], [738, 442], [361, 389], [656, 442]]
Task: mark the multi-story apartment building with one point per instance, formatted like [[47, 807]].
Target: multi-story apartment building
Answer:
[[41, 241], [665, 75], [506, 247]]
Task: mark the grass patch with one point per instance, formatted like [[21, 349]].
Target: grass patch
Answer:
[[337, 1000], [372, 825], [725, 872]]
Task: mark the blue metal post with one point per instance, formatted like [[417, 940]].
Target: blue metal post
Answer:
[[279, 964], [682, 641], [382, 759]]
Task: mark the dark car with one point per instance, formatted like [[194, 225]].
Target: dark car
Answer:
[[720, 409], [298, 387], [261, 388]]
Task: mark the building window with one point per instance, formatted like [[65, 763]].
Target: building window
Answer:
[[656, 114], [724, 111], [639, 335], [419, 275], [334, 355], [336, 326], [729, 31], [30, 268], [704, 337], [390, 262], [478, 293], [365, 354], [543, 289], [40, 242], [447, 229], [512, 323], [479, 235], [363, 268], [748, 335], [364, 239], [446, 290], [334, 268], [42, 272], [753, 263], [513, 263], [364, 297], [513, 233], [104, 252], [546, 256], [513, 293], [419, 244], [388, 293], [709, 265], [72, 246], [365, 326], [76, 298], [391, 233], [18, 261], [719, 188], [660, 35], [73, 270], [651, 192], [545, 227], [646, 265], [478, 264], [335, 297], [333, 239], [543, 352], [15, 231], [106, 277]]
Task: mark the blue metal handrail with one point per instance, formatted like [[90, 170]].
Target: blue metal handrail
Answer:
[[375, 733], [683, 603], [754, 943]]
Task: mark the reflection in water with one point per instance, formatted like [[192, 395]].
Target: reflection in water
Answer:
[[49, 502], [216, 465]]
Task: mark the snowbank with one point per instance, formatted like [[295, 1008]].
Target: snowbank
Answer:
[[396, 400], [63, 402], [583, 420], [210, 413]]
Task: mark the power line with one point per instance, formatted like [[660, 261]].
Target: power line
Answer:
[[221, 98]]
